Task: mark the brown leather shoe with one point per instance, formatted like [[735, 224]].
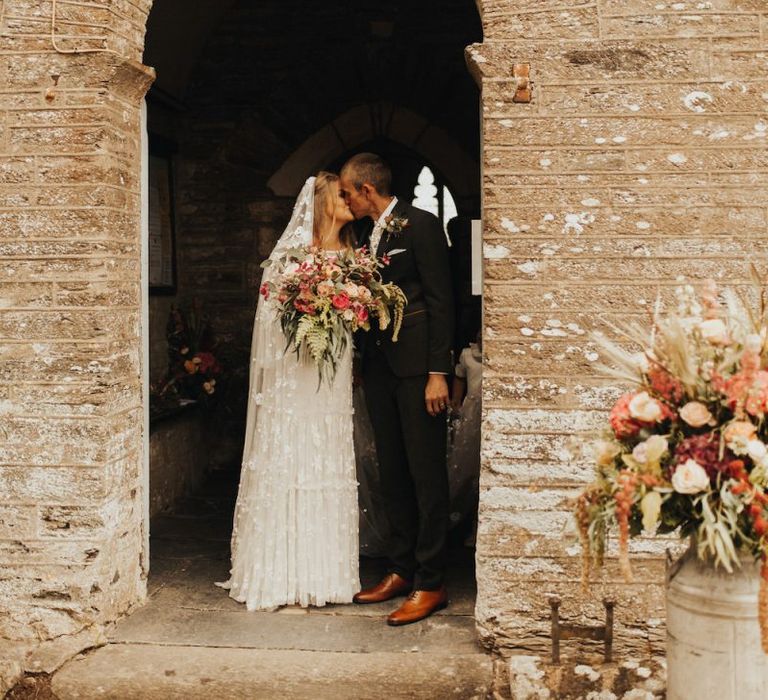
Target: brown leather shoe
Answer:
[[420, 604], [391, 586]]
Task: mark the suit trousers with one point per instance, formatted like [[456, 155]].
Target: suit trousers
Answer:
[[413, 476]]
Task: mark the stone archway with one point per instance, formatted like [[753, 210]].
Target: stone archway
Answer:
[[356, 127]]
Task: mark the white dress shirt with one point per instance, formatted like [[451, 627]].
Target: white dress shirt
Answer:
[[380, 225]]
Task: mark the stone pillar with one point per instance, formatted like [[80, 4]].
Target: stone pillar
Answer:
[[70, 336], [639, 159]]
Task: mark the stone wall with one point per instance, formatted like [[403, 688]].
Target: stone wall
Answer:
[[70, 458], [179, 447], [227, 222], [641, 158]]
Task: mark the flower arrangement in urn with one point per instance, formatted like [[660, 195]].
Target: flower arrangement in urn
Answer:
[[321, 297], [686, 449], [193, 368]]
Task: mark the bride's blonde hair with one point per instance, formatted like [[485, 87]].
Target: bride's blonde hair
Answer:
[[324, 195]]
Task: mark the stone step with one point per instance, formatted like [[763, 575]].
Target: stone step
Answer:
[[176, 672], [162, 622]]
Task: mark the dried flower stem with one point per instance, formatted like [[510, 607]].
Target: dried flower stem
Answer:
[[582, 521], [762, 606], [624, 496]]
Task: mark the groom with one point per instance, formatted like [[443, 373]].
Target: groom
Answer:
[[406, 389]]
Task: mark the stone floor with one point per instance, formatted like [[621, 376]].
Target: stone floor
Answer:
[[192, 641]]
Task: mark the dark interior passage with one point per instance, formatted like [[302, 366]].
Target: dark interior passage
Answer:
[[250, 100]]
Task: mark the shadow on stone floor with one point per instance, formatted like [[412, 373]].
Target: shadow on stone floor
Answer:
[[189, 550], [190, 637]]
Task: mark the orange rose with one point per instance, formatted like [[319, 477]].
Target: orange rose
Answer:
[[696, 414], [190, 366], [739, 429]]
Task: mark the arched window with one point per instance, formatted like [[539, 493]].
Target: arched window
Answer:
[[433, 197]]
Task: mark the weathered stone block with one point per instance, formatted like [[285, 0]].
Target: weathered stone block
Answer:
[[51, 484], [17, 522], [731, 63], [71, 269], [556, 358], [566, 21], [603, 60], [47, 140], [64, 522], [50, 656], [61, 553], [70, 223], [621, 7], [639, 269], [730, 96], [692, 24]]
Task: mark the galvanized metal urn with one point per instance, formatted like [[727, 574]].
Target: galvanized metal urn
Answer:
[[713, 635]]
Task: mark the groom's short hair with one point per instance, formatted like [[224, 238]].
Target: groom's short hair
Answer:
[[370, 168]]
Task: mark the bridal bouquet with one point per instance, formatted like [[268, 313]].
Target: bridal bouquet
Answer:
[[322, 297], [686, 449]]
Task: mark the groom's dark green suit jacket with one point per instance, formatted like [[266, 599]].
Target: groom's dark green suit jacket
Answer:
[[419, 266]]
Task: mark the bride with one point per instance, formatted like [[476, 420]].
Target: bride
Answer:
[[295, 535]]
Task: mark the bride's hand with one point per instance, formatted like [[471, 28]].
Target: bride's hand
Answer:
[[436, 394]]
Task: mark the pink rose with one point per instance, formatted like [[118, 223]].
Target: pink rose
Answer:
[[341, 301], [207, 361], [304, 306]]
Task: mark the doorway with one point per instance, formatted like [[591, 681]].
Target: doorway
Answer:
[[248, 103]]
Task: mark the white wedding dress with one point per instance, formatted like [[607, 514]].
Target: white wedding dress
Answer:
[[295, 535]]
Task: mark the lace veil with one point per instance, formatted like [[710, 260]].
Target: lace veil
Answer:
[[268, 357]]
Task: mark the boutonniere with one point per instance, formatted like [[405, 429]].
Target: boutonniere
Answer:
[[395, 225]]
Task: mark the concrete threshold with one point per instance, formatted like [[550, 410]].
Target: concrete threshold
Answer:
[[173, 672]]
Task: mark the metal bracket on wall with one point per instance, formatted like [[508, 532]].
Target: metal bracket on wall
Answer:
[[521, 72], [600, 633]]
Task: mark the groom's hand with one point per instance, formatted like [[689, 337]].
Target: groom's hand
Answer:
[[436, 394]]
